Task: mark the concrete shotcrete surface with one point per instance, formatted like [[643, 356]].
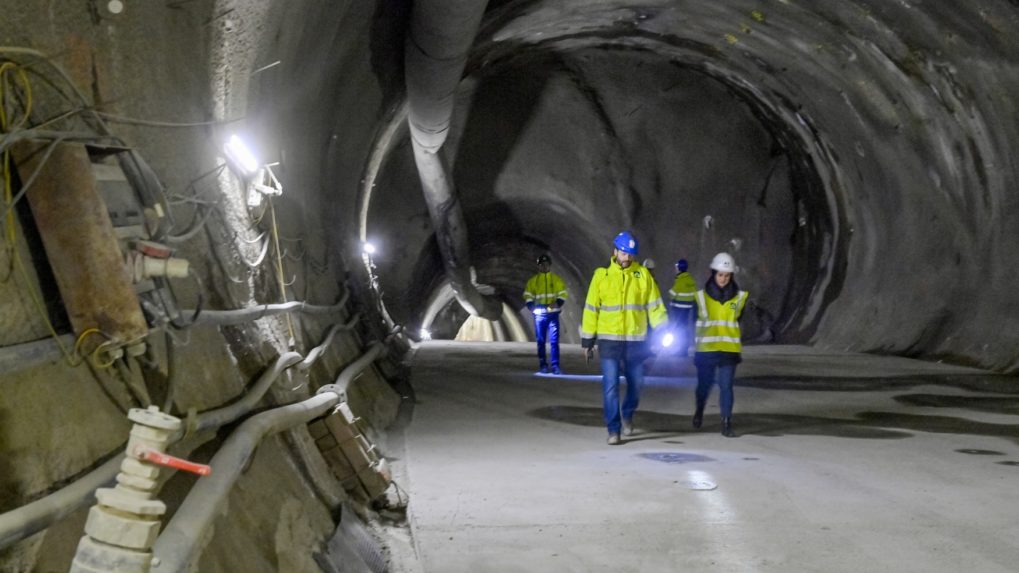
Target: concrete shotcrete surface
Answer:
[[843, 463]]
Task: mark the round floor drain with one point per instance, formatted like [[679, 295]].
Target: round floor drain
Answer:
[[675, 457]]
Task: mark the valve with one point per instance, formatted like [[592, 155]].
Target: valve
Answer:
[[166, 460], [125, 521]]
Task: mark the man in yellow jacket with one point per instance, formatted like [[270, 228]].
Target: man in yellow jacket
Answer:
[[544, 296], [622, 302]]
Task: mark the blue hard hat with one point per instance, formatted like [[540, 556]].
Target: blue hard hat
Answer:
[[681, 265], [626, 242]]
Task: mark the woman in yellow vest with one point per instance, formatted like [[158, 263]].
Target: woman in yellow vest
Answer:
[[719, 306]]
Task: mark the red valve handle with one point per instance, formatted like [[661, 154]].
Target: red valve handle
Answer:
[[159, 458]]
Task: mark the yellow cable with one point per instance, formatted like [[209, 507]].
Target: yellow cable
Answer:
[[95, 356], [81, 338], [279, 268]]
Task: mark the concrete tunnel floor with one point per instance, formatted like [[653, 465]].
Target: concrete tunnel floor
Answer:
[[844, 462]]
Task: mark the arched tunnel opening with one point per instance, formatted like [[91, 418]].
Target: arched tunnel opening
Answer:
[[600, 139], [264, 263]]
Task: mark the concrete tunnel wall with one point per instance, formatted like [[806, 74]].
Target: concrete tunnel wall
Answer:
[[878, 137]]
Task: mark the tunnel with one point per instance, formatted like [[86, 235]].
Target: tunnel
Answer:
[[264, 268]]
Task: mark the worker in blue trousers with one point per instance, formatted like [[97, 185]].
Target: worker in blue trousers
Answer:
[[545, 295], [681, 306]]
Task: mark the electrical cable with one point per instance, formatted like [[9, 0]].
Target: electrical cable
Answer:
[[150, 123]]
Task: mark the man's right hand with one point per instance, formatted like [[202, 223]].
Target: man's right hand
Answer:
[[588, 355]]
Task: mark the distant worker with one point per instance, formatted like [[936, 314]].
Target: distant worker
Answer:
[[719, 306], [545, 294], [649, 264], [622, 301], [681, 306]]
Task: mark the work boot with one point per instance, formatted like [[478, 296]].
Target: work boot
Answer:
[[614, 439], [698, 417], [727, 428], [556, 370], [543, 369], [627, 427]]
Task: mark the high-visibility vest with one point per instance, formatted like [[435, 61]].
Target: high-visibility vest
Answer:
[[683, 290], [621, 303], [543, 289], [717, 322]]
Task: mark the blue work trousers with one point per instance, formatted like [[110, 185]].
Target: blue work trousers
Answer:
[[610, 386], [723, 374], [546, 327]]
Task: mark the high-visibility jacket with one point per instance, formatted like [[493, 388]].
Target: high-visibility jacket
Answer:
[[683, 290], [621, 303], [544, 289], [718, 322]]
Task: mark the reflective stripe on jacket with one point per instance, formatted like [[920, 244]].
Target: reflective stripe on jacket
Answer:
[[718, 323], [683, 290], [543, 289], [621, 303]]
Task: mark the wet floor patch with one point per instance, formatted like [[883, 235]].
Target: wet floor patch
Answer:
[[940, 425], [989, 404], [1008, 463], [675, 457], [976, 452], [991, 383]]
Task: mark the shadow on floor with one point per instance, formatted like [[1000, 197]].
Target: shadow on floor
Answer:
[[989, 404], [867, 425], [992, 383]]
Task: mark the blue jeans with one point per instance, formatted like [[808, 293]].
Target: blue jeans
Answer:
[[610, 388], [546, 326], [706, 377]]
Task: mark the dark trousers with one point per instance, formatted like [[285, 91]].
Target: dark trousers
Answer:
[[707, 375], [546, 327], [682, 321]]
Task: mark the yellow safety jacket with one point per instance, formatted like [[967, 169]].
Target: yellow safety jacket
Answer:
[[621, 303], [543, 289], [683, 290], [717, 322]]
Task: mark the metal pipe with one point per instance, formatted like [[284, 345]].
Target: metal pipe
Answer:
[[177, 545], [19, 523], [34, 517], [440, 37], [318, 350], [222, 416], [28, 354], [242, 315]]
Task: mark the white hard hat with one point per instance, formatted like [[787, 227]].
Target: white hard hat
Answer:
[[723, 262], [649, 264]]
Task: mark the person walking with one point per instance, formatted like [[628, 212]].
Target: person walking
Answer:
[[622, 302], [681, 306], [544, 295], [719, 307]]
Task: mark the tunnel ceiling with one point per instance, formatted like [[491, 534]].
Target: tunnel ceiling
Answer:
[[848, 154]]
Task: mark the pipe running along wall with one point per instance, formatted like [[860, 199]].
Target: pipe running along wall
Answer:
[[38, 515], [179, 543], [440, 37]]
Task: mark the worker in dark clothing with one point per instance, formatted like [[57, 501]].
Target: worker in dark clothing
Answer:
[[681, 306]]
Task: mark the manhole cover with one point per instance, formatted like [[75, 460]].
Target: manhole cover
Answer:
[[675, 457]]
